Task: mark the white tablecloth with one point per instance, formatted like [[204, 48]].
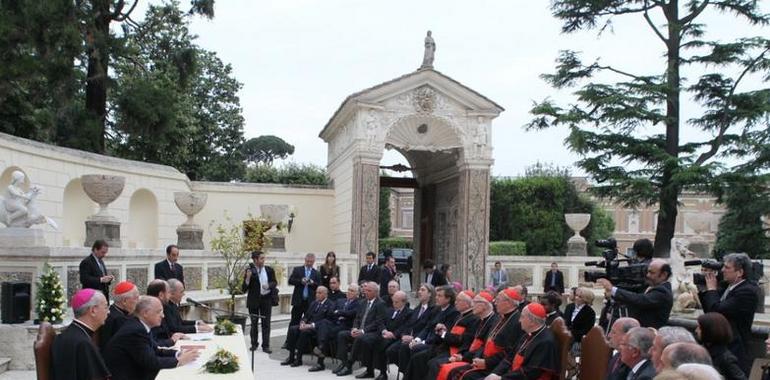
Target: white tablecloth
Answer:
[[234, 343]]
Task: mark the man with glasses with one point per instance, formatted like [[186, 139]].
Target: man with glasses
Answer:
[[737, 302], [653, 307]]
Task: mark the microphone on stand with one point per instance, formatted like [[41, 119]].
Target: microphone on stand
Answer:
[[196, 303]]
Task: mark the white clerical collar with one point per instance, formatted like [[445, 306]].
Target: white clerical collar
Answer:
[[638, 365], [146, 326]]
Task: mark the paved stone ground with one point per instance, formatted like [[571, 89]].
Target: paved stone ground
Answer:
[[266, 367]]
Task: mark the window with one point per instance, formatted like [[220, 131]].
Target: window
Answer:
[[407, 219]]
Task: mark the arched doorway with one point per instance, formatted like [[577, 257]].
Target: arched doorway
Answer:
[[443, 129]]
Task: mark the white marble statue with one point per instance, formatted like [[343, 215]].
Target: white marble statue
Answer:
[[685, 292], [19, 208]]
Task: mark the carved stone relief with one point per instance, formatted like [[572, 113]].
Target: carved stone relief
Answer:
[[366, 194]]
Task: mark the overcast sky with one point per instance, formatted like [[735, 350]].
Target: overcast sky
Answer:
[[299, 59]]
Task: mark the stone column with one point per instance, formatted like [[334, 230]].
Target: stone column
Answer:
[[473, 225], [366, 203]]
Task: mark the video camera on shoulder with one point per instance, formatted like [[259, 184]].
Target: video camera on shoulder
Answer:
[[757, 269], [631, 276]]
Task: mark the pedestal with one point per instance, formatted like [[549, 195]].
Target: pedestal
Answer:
[[189, 237], [108, 231], [577, 248], [17, 237]]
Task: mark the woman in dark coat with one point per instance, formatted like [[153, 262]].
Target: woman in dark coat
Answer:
[[715, 334], [329, 269], [580, 316]]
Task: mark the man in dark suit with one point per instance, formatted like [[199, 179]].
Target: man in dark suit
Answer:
[[737, 302], [170, 268], [342, 318], [635, 353], [162, 333], [554, 280], [301, 337], [93, 272], [305, 280], [388, 273], [445, 316], [396, 325], [370, 271], [132, 354], [616, 370], [432, 275], [653, 307], [173, 319], [125, 296], [367, 328], [260, 283]]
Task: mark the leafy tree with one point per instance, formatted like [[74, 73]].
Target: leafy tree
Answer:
[[266, 149], [289, 174], [384, 218], [531, 210], [175, 103], [39, 84], [741, 228], [608, 120]]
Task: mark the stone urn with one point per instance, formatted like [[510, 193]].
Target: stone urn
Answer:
[[190, 234], [700, 222], [103, 189], [576, 245]]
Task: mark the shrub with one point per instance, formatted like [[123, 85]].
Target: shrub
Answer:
[[395, 242], [507, 248]]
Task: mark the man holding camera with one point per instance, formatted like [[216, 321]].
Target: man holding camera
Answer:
[[653, 307], [737, 302], [259, 281]]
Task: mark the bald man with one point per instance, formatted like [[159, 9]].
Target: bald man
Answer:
[[653, 307]]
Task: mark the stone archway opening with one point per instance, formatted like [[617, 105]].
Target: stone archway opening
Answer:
[[443, 130]]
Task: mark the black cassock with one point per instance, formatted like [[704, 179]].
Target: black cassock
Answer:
[[536, 357], [75, 357]]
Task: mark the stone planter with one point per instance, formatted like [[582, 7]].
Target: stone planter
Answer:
[[576, 245], [103, 189], [190, 234]]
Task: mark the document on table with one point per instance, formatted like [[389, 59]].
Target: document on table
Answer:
[[201, 336]]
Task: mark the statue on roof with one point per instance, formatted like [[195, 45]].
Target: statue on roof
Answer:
[[430, 51]]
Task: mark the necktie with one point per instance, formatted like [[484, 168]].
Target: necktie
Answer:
[[306, 291], [366, 313], [172, 268], [102, 267], [422, 309], [395, 314], [553, 279]]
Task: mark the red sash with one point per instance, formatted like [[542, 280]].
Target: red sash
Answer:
[[518, 360], [443, 373], [490, 348], [456, 330], [477, 343]]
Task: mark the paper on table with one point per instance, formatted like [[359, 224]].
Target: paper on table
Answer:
[[201, 336]]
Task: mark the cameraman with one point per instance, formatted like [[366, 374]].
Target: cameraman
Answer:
[[652, 307], [737, 302]]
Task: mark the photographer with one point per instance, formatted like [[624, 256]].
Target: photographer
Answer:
[[737, 302], [653, 307]]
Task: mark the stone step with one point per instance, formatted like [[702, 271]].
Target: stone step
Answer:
[[4, 363]]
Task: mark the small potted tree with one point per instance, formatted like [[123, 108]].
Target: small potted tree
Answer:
[[235, 242]]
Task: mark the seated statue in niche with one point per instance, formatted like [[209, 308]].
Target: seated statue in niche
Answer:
[[19, 208]]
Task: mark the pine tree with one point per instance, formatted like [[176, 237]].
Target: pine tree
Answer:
[[628, 132], [50, 296]]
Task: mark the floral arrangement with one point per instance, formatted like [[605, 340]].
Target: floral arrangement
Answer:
[[222, 361], [224, 327], [50, 296]]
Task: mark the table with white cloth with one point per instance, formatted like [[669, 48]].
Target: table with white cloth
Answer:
[[234, 343]]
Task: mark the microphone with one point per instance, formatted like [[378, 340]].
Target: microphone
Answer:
[[196, 303]]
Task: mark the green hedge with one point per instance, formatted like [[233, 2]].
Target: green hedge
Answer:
[[395, 242], [507, 248]]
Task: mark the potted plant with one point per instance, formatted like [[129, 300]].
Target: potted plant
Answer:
[[235, 242]]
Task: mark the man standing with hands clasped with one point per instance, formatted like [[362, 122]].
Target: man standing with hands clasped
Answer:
[[259, 281]]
